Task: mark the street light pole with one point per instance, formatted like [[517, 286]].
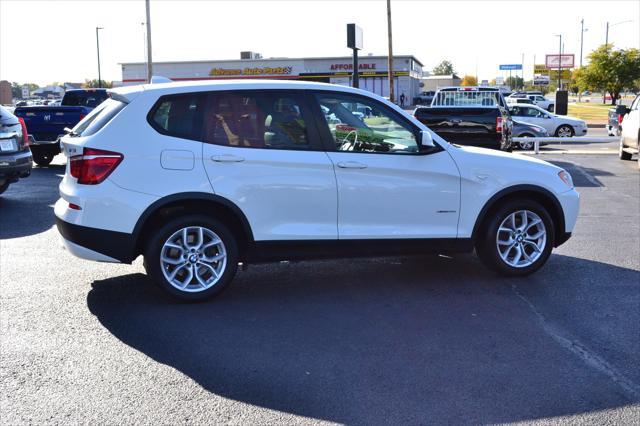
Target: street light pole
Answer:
[[98, 48], [581, 39], [606, 37], [559, 61], [149, 60], [390, 59]]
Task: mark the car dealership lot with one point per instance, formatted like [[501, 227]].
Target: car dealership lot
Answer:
[[400, 340]]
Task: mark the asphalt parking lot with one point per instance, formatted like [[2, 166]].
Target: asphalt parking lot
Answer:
[[381, 341]]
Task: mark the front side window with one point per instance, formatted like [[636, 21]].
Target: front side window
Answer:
[[255, 120], [532, 112], [177, 115], [361, 125]]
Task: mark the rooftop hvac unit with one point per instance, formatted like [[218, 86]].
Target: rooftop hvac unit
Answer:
[[250, 55]]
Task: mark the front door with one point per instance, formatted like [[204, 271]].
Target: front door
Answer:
[[262, 152], [388, 187]]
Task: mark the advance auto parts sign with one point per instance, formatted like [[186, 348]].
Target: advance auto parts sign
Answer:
[[251, 71]]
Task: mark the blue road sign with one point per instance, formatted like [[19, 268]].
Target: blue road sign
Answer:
[[510, 67]]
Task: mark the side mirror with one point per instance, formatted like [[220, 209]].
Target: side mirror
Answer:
[[622, 109], [426, 139]]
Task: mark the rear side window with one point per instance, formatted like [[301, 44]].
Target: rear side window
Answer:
[[98, 118], [178, 116], [269, 119]]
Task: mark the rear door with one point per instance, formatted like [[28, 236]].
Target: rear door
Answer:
[[262, 152]]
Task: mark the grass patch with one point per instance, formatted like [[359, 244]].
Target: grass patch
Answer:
[[589, 112]]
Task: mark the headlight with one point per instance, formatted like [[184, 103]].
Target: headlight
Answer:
[[566, 178]]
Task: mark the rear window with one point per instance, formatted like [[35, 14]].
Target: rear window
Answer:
[[466, 98], [91, 98], [98, 118]]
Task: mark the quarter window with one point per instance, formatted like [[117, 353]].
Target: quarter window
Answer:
[[255, 120], [361, 125], [177, 115]]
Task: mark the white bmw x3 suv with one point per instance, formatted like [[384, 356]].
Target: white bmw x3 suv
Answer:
[[200, 176]]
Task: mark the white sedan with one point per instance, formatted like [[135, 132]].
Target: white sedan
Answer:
[[557, 125]]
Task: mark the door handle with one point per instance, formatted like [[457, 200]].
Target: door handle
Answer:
[[351, 165], [227, 158]]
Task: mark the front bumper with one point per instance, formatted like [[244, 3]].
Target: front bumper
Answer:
[[570, 202]]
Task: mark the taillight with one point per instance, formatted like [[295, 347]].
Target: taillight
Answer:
[[499, 124], [25, 135], [82, 116], [620, 118], [94, 165]]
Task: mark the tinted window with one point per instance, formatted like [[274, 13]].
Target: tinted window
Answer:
[[90, 98], [359, 124], [272, 120], [177, 115]]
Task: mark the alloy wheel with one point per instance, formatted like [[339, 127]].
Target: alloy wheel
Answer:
[[193, 259], [521, 238]]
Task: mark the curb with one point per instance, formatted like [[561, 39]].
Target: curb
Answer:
[[596, 126], [603, 152]]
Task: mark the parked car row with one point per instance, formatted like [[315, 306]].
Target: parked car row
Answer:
[[47, 123]]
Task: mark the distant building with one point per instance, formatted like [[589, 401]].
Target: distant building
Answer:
[[5, 93], [49, 92], [373, 75], [434, 82]]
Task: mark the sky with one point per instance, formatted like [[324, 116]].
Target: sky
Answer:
[[47, 41]]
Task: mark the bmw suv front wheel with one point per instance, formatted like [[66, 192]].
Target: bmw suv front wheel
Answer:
[[192, 257], [517, 239]]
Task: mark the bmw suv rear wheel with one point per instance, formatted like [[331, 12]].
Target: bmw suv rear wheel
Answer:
[[192, 258]]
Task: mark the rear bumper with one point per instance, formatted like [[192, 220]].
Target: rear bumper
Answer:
[[16, 165], [96, 244]]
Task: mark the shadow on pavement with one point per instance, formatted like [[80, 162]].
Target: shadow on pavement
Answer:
[[392, 341], [26, 208]]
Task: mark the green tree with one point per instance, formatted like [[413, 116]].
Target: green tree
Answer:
[[611, 70], [94, 83], [514, 82], [576, 84], [444, 68], [16, 89], [469, 80]]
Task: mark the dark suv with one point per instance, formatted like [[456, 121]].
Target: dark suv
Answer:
[[15, 156]]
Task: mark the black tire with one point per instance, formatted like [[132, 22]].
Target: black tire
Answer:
[[154, 247], [565, 127], [622, 154], [41, 159], [486, 241], [4, 187]]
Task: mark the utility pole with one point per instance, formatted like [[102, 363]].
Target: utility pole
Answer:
[[606, 36], [390, 60], [581, 39], [559, 62], [522, 71], [149, 60], [98, 48]]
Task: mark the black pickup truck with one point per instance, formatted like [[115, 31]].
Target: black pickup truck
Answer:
[[47, 123], [476, 116]]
